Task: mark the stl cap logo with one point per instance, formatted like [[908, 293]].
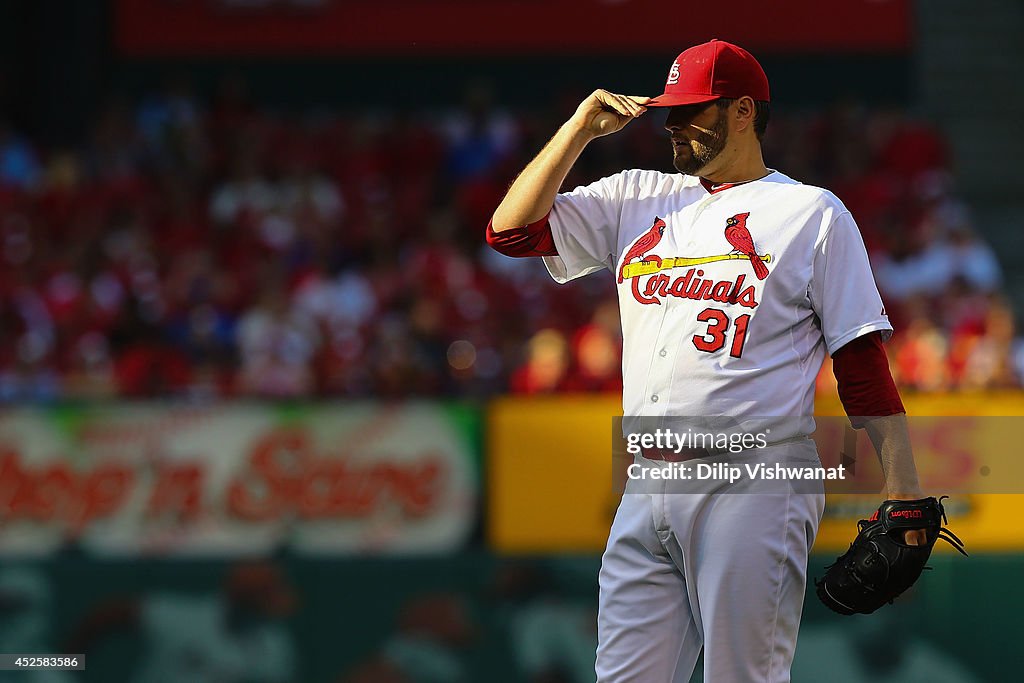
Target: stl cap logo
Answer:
[[673, 74]]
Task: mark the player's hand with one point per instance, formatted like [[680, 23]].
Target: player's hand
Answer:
[[915, 537], [911, 536], [604, 113]]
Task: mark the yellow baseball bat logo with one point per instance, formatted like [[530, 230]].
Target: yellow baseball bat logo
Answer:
[[648, 267]]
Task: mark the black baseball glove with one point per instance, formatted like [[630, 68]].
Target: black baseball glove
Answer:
[[879, 565]]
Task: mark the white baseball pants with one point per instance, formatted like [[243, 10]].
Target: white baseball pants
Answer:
[[718, 569]]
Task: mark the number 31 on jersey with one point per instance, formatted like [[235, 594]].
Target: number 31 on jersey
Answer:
[[718, 327]]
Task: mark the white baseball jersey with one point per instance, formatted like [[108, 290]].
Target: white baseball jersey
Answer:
[[728, 299]]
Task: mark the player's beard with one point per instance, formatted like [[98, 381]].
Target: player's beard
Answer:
[[704, 148]]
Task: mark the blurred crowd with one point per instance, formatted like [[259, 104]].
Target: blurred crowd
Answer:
[[210, 247], [520, 620], [524, 621]]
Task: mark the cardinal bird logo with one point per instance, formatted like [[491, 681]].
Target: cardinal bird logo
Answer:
[[647, 241], [739, 237]]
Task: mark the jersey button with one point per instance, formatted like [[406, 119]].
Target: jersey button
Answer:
[[654, 399], [663, 353]]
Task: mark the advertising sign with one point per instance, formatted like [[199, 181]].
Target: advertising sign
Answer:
[[236, 479]]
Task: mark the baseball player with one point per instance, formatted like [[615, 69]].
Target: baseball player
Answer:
[[733, 281]]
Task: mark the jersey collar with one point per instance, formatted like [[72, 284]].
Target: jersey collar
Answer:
[[712, 188]]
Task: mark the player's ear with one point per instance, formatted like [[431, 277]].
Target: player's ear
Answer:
[[745, 113]]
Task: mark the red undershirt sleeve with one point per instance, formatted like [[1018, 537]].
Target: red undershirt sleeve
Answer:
[[866, 387], [534, 239]]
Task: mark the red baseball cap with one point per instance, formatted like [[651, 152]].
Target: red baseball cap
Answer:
[[710, 71]]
